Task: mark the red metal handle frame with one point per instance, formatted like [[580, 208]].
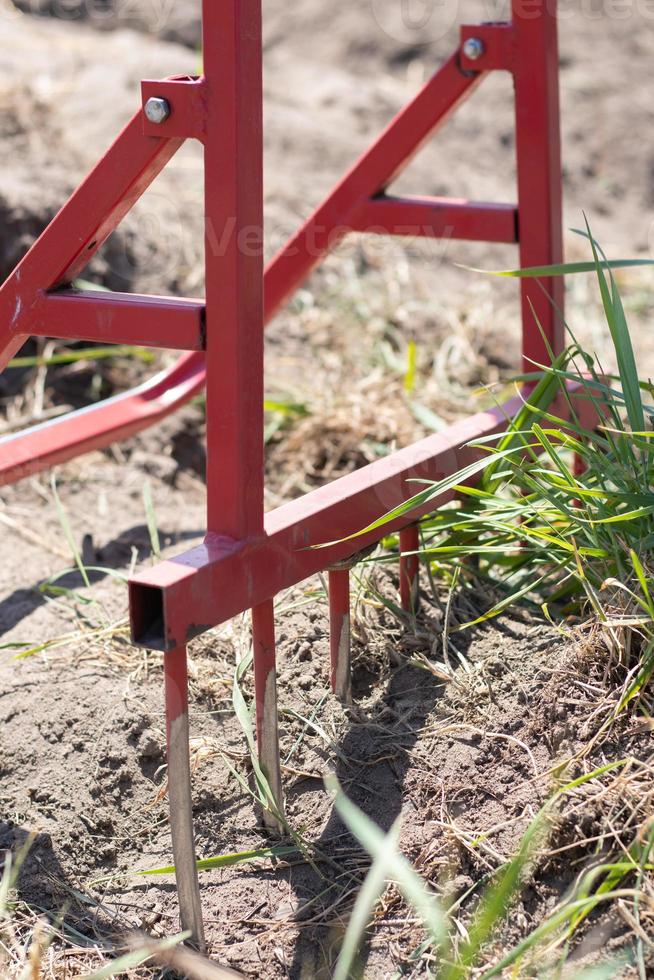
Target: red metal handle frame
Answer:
[[247, 556], [358, 203]]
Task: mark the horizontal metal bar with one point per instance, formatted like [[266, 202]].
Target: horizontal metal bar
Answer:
[[437, 217], [118, 318], [186, 595]]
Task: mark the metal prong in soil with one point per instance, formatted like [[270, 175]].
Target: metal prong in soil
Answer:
[[410, 568], [339, 633], [179, 794], [265, 686]]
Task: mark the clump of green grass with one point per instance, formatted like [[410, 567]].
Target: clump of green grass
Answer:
[[454, 951], [559, 514]]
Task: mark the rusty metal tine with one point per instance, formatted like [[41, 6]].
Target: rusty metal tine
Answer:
[[410, 568], [265, 685], [179, 794], [339, 633]]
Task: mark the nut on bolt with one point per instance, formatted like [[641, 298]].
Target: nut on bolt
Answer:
[[157, 110], [473, 48]]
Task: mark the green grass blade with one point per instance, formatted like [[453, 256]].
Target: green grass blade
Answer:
[[561, 268], [83, 354], [68, 532], [367, 898], [496, 901], [226, 860], [151, 519], [412, 886]]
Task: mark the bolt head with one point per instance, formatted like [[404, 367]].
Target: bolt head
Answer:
[[156, 110], [473, 48]]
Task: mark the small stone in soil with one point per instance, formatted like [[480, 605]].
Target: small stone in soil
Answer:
[[304, 651]]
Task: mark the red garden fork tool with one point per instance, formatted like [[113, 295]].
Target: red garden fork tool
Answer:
[[247, 557]]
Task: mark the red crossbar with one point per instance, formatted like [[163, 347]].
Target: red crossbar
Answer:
[[437, 217], [120, 318]]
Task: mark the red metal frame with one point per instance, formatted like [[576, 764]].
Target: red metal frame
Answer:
[[32, 300], [247, 556]]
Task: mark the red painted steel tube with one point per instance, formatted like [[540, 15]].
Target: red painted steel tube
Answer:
[[339, 633], [233, 196], [37, 448], [85, 222], [58, 255], [215, 581], [437, 217], [370, 175], [265, 692], [538, 153], [83, 431], [409, 568], [120, 318]]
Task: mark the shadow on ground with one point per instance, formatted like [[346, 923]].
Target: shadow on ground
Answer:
[[373, 760], [114, 555]]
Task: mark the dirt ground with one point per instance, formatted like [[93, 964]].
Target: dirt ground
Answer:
[[81, 739]]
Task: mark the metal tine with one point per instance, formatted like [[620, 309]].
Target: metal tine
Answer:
[[179, 794], [339, 633], [265, 686], [410, 568]]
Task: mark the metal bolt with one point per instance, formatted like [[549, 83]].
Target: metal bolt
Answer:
[[473, 48], [157, 110]]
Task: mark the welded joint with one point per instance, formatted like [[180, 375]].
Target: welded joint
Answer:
[[174, 108], [487, 47]]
